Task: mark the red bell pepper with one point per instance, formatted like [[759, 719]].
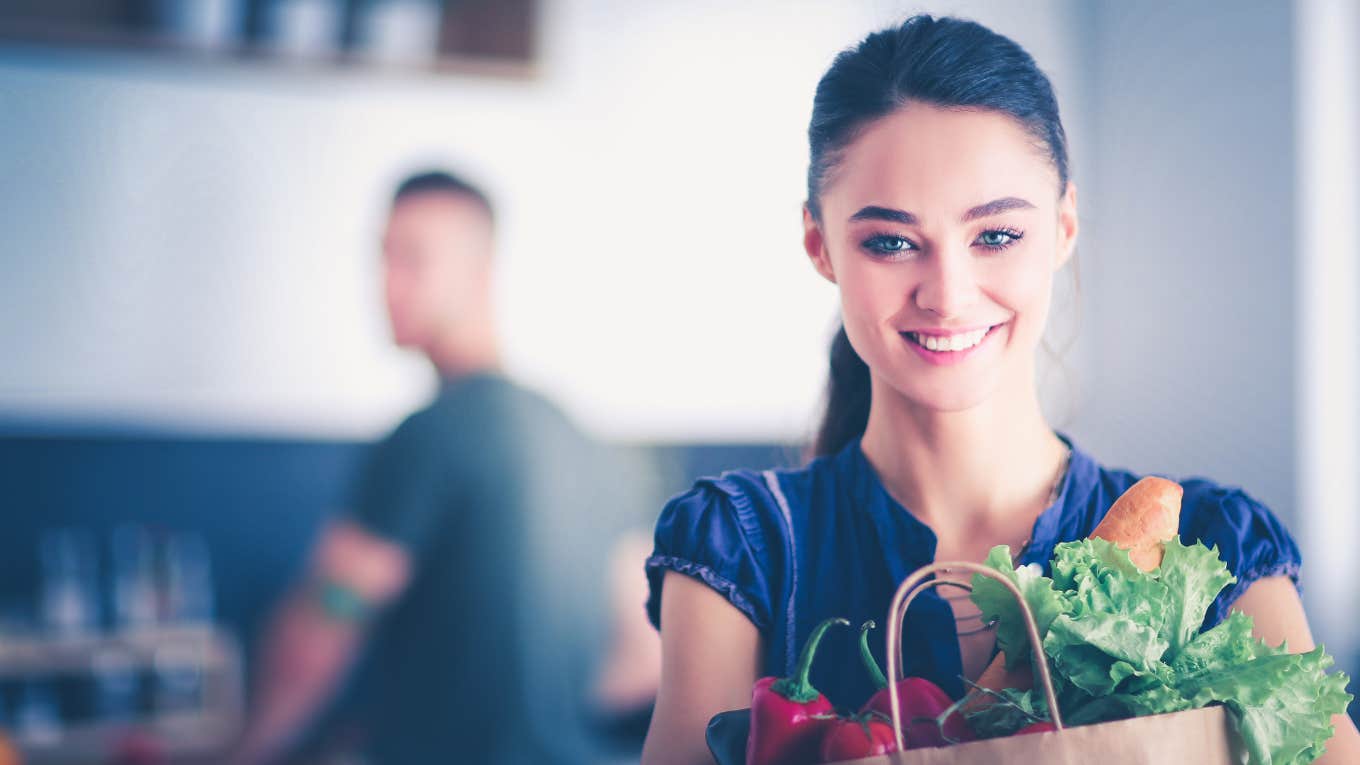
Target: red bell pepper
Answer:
[[788, 715], [923, 704], [1039, 727], [863, 735]]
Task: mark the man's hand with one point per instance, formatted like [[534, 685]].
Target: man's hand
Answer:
[[316, 632]]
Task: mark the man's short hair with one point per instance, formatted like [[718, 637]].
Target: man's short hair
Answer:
[[442, 182]]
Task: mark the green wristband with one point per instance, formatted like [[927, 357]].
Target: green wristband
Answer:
[[342, 603]]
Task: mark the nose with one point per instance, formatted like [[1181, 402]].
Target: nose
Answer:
[[948, 287]]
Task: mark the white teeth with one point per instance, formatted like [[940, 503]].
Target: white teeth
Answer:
[[959, 342]]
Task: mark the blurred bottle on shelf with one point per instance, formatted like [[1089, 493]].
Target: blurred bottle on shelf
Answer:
[[69, 593], [188, 583], [303, 28], [203, 24], [399, 31], [135, 599], [187, 589]]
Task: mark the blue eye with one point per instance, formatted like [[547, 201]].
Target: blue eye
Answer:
[[999, 239], [887, 244]]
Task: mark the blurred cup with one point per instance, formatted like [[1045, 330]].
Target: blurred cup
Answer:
[[177, 679], [303, 28], [116, 685], [37, 719], [399, 31]]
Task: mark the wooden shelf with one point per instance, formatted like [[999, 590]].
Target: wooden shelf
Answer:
[[480, 38], [202, 728]]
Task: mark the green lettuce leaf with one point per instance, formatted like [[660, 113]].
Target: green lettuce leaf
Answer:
[[1193, 576], [1012, 710], [1228, 644], [1098, 654], [1105, 583], [996, 602], [1284, 702], [1122, 643]]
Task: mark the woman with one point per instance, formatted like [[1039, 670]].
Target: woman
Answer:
[[939, 204]]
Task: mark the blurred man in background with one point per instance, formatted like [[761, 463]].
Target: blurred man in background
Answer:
[[473, 564]]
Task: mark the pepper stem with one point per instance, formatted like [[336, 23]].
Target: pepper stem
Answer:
[[880, 682], [796, 687]]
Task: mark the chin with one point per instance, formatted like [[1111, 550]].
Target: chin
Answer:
[[938, 390], [947, 401], [406, 339]]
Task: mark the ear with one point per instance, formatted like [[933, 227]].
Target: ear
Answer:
[[815, 245], [1067, 226]]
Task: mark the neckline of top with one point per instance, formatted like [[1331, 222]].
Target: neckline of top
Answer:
[[868, 491]]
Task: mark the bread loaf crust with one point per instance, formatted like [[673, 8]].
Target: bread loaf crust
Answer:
[[1143, 520]]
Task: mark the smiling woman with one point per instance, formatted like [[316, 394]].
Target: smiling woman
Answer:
[[939, 204]]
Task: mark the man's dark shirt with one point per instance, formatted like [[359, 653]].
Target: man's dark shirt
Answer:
[[508, 513]]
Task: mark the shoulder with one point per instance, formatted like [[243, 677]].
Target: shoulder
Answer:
[[1249, 536], [485, 417], [415, 442], [479, 398], [766, 504]]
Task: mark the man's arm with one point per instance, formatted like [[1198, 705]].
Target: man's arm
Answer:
[[316, 633]]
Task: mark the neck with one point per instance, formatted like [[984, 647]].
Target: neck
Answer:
[[991, 466], [465, 348]]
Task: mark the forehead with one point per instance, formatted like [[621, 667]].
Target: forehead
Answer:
[[939, 162], [437, 211]]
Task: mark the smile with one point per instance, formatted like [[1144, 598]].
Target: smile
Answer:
[[945, 347], [959, 342]]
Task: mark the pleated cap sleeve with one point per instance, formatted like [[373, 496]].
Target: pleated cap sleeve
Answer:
[[1251, 540], [719, 532]]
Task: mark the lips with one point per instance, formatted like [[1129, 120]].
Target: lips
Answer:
[[949, 342], [946, 347], [959, 341]]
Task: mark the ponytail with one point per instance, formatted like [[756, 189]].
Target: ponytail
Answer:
[[847, 399]]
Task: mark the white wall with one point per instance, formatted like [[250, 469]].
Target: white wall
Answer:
[[192, 244], [1187, 244], [1327, 356], [1219, 252]]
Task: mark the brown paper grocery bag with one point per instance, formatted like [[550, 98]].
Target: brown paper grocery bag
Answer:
[[1201, 736]]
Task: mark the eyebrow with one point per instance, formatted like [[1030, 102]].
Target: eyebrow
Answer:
[[892, 215]]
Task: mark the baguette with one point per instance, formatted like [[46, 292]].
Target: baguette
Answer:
[[1143, 520]]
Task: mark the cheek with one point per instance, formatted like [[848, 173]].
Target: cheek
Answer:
[[1024, 288], [872, 291], [398, 285]]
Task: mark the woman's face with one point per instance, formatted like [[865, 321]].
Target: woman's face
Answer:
[[942, 229]]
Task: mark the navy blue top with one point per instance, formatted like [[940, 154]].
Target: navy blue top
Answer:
[[790, 548]]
